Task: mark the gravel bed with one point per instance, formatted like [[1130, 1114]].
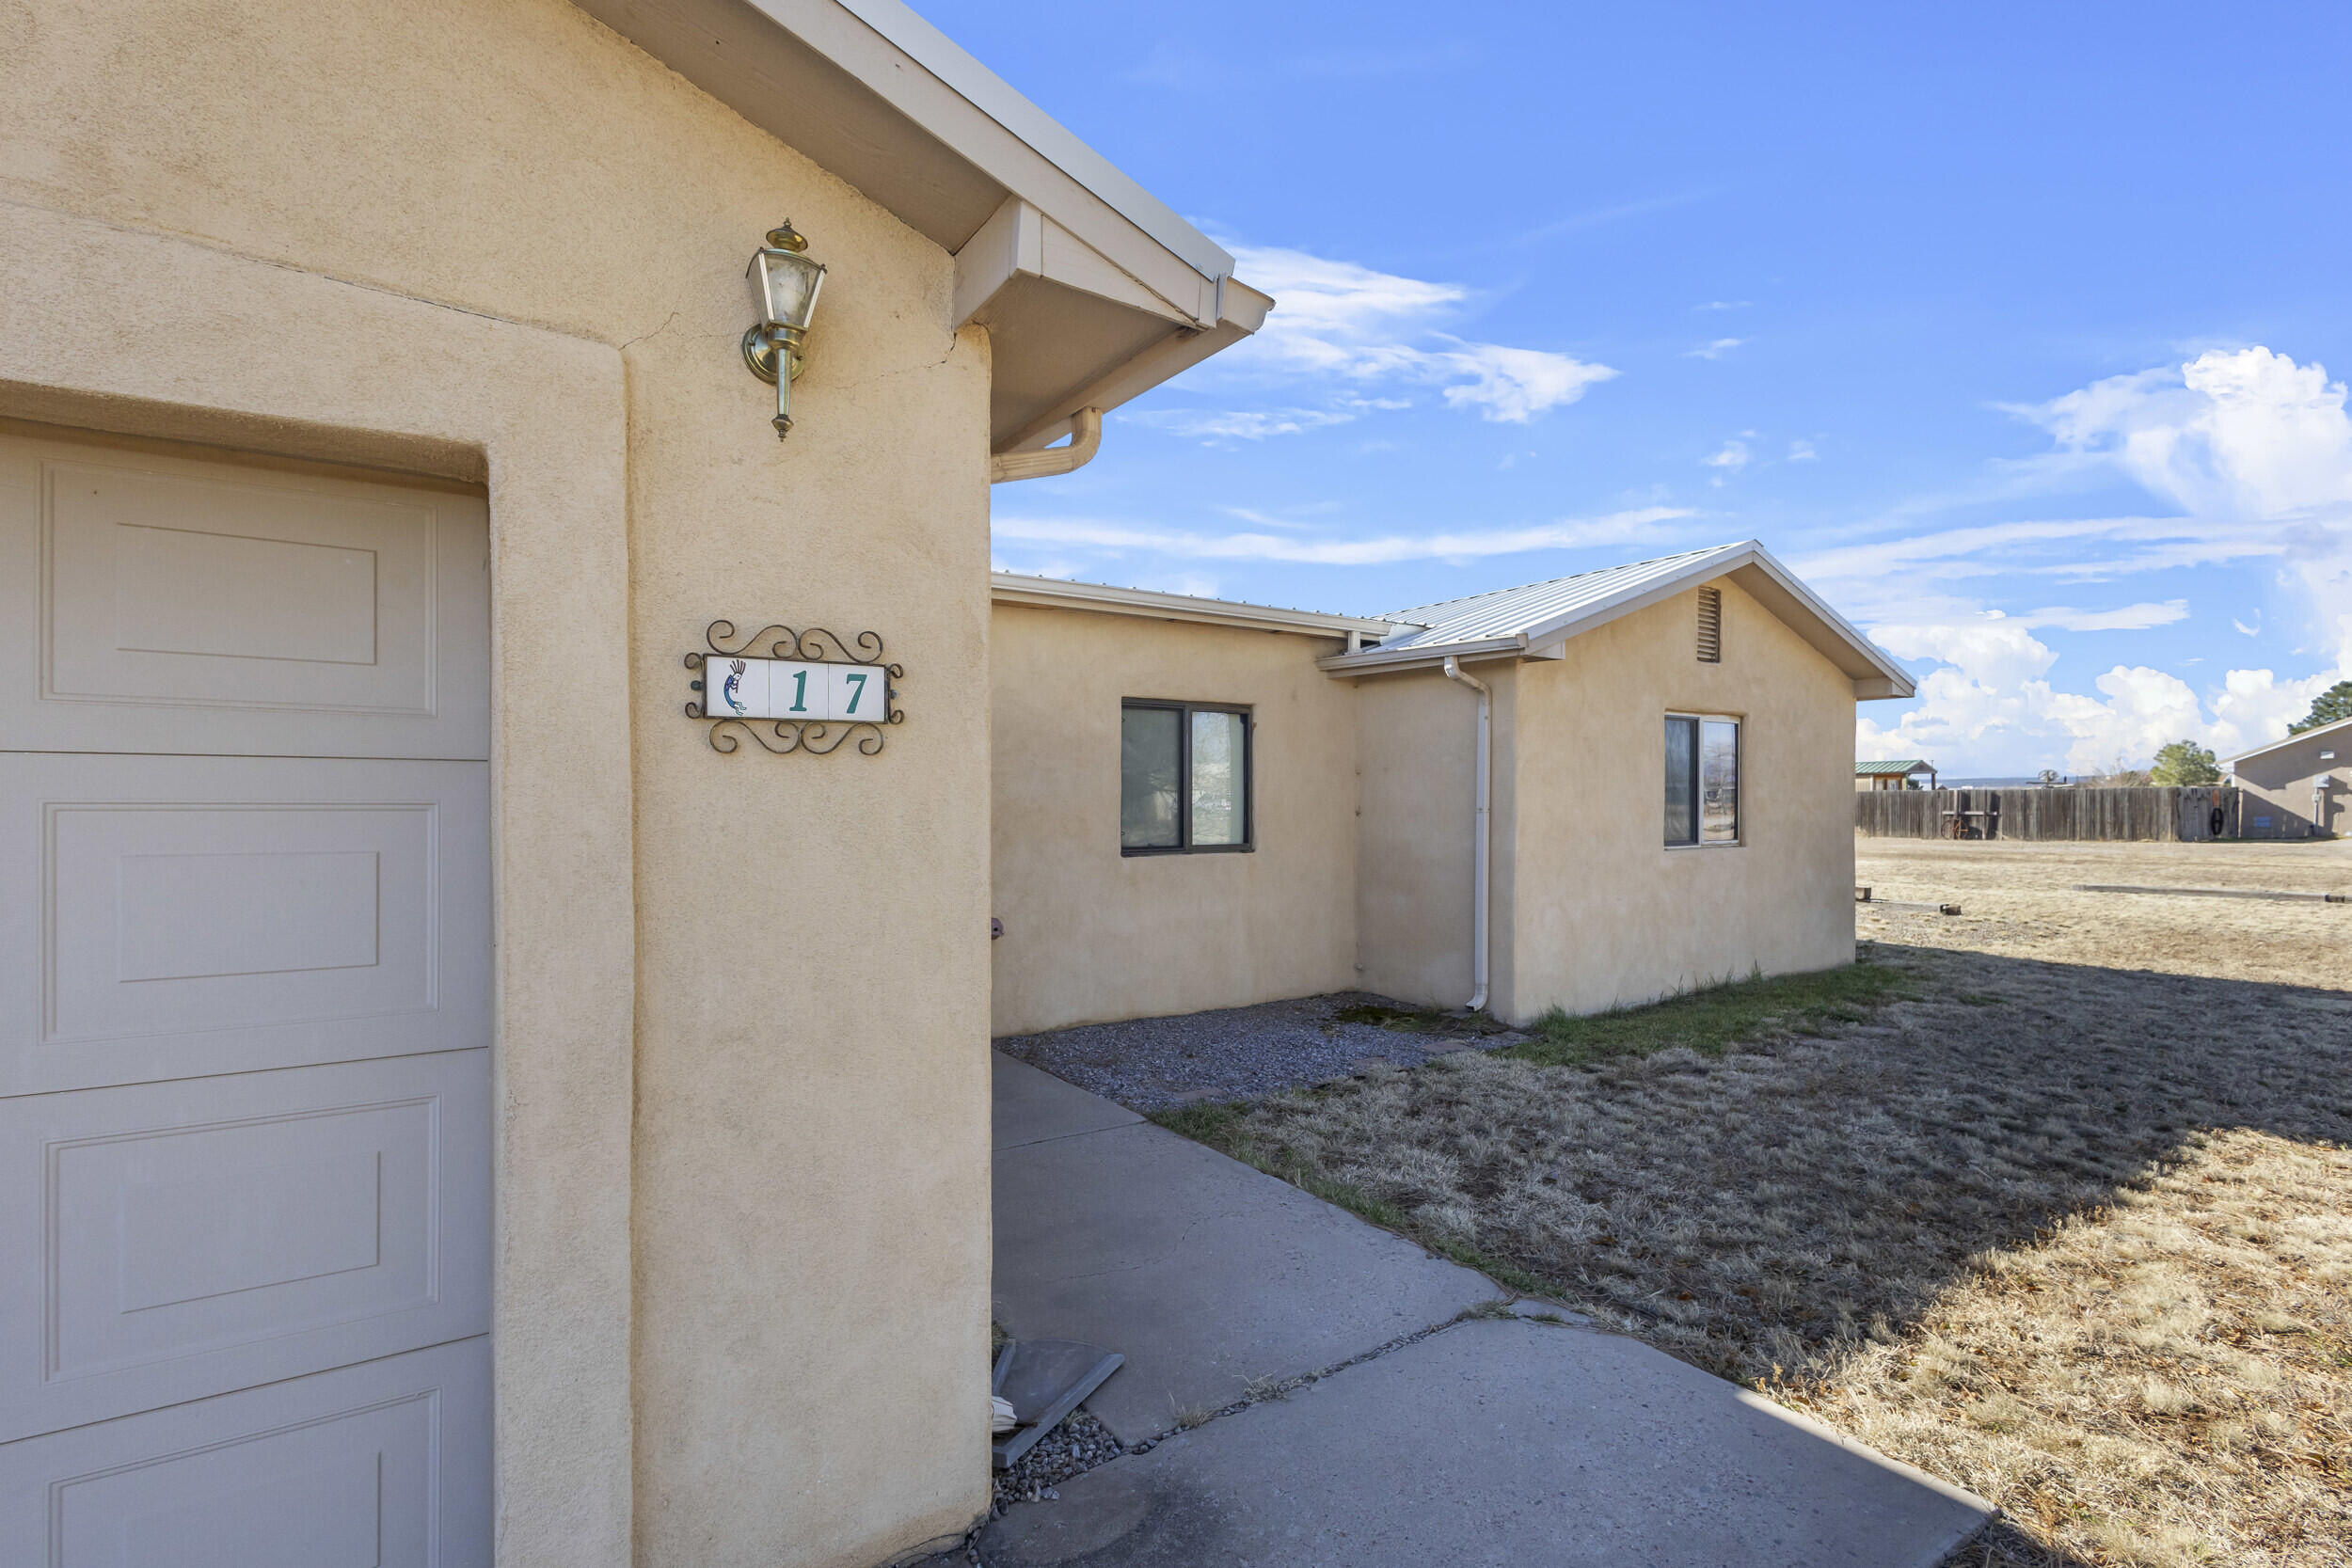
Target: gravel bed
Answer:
[[1157, 1064], [1074, 1447]]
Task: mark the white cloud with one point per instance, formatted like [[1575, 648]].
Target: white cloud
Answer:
[[1337, 320], [1731, 457], [1515, 384], [2254, 630], [2130, 617], [1715, 350], [2254, 448], [1801, 452], [1239, 424], [1724, 305], [1987, 699], [1118, 537], [2253, 452]]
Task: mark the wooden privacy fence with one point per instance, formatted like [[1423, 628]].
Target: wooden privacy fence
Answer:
[[2183, 814]]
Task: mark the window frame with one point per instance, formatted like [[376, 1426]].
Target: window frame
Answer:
[[1698, 772], [1185, 710]]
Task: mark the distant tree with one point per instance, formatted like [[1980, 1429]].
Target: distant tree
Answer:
[[2185, 762], [2121, 775], [2332, 704]]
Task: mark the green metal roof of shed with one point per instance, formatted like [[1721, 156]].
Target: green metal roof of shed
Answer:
[[1879, 769]]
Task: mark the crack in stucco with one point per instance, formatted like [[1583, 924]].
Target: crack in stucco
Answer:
[[629, 343]]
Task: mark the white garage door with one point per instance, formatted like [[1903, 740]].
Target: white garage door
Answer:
[[244, 1016]]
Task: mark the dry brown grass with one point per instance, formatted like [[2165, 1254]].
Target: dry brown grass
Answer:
[[2073, 1229]]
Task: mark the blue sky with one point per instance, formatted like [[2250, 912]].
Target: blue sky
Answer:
[[2017, 330]]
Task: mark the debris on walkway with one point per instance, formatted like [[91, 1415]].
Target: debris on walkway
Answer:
[[1039, 1381]]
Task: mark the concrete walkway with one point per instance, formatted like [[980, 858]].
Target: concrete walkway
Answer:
[[1489, 1442]]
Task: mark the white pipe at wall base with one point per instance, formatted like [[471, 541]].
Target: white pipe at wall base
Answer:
[[1086, 439], [1478, 871]]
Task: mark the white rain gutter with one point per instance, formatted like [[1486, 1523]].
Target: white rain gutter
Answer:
[[1086, 439], [1485, 788]]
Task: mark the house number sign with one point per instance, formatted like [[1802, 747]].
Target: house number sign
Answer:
[[793, 690]]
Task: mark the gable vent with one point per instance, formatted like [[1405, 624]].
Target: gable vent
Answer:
[[1710, 625]]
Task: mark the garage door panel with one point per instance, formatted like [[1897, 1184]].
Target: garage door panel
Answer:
[[198, 1237], [380, 1466], [244, 1013], [187, 606], [199, 915]]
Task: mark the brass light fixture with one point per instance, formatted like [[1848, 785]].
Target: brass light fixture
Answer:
[[788, 281]]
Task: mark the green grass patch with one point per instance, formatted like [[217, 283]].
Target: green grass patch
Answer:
[[1720, 1016]]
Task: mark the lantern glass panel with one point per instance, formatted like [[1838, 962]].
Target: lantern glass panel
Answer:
[[788, 285]]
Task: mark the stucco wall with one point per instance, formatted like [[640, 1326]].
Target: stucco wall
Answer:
[[1602, 912], [1092, 934], [368, 215], [1417, 795], [2278, 786]]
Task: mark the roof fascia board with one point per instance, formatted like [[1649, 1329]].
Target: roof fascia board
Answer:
[[1771, 584], [1371, 662], [1758, 574], [1054, 594], [870, 38], [2313, 733], [995, 98], [945, 94]]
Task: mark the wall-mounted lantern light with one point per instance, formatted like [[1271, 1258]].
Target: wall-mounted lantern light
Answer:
[[788, 281]]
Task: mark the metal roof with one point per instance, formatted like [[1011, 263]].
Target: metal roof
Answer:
[[1508, 611], [1883, 769], [1535, 620]]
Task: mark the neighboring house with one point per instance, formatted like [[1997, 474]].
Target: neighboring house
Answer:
[[449, 1111], [2299, 788], [1904, 774], [1202, 804]]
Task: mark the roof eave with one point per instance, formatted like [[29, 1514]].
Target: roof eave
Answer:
[[1875, 676], [1057, 594], [2281, 744], [1373, 661], [880, 97]]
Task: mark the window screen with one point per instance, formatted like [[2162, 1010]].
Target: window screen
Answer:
[[1702, 779], [1184, 778]]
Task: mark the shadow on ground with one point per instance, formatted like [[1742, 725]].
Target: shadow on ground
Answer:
[[1157, 1064], [1752, 1211]]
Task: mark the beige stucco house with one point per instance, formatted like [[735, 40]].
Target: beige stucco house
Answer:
[[452, 1109], [2298, 787], [1573, 794]]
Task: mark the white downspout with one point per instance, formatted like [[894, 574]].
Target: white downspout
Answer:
[[1086, 439], [1478, 872]]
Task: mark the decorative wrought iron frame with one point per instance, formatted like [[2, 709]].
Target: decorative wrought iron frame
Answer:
[[817, 736]]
